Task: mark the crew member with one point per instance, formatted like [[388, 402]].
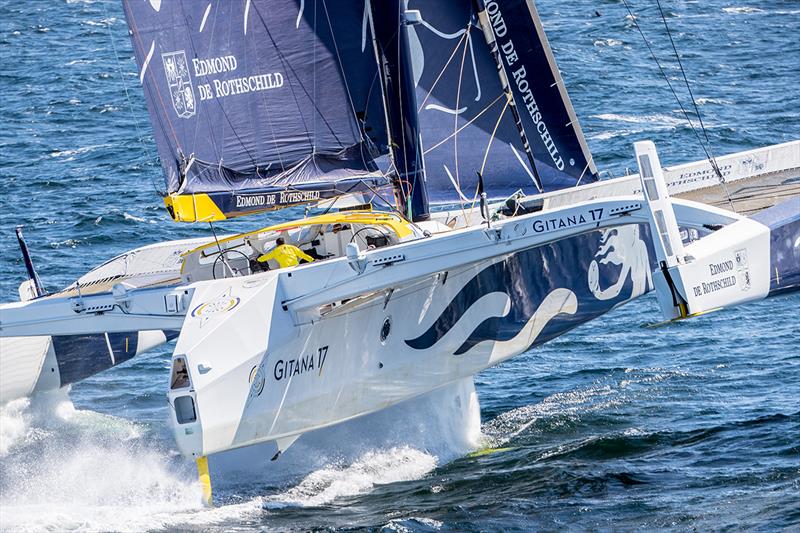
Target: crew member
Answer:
[[286, 255]]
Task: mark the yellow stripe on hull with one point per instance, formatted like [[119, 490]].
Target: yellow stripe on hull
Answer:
[[489, 451]]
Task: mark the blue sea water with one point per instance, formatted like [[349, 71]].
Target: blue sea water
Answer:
[[614, 426]]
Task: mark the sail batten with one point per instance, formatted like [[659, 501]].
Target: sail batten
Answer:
[[259, 95]]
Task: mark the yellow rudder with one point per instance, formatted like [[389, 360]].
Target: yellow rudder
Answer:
[[205, 479]]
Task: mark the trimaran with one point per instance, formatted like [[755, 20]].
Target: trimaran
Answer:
[[376, 110]]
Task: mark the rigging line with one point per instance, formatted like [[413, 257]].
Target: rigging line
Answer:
[[125, 86], [341, 67], [583, 172], [494, 132], [441, 73], [138, 39], [377, 194], [455, 119], [350, 190], [358, 124], [458, 101], [711, 160], [268, 116], [474, 68], [327, 209], [219, 248], [486, 154], [473, 119], [683, 71], [382, 53], [288, 65]]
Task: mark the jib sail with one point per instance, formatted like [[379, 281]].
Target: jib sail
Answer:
[[466, 123]]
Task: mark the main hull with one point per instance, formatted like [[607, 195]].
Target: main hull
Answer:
[[391, 346], [281, 355]]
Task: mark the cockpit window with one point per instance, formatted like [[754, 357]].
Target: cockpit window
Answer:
[[180, 374]]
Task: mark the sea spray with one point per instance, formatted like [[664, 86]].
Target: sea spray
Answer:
[[64, 468], [14, 424]]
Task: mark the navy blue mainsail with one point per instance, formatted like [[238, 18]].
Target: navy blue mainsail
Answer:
[[466, 125], [258, 105]]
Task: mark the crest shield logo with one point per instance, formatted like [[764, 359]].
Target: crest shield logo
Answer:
[[181, 90]]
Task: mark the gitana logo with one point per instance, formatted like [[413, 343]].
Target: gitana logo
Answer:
[[221, 304], [256, 381], [181, 90]]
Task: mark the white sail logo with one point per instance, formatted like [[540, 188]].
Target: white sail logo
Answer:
[[181, 90]]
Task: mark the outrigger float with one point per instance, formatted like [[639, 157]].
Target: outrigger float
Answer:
[[402, 301]]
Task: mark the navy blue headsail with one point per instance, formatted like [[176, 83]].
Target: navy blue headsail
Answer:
[[465, 120], [258, 105]]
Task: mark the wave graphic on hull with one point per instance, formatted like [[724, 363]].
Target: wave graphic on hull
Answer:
[[524, 319]]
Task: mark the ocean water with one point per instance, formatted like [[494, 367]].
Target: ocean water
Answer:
[[616, 426]]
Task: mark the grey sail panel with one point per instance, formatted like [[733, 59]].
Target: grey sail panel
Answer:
[[464, 120], [254, 95]]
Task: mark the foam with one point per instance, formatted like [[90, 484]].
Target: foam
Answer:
[[742, 10], [401, 443], [376, 467], [14, 424], [68, 469]]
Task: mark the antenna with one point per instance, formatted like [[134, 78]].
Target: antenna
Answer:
[[38, 288]]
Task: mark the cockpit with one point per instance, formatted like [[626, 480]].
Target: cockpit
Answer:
[[322, 238]]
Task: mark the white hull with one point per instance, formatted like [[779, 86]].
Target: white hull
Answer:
[[275, 360]]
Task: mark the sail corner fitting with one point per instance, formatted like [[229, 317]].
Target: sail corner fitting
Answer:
[[193, 208]]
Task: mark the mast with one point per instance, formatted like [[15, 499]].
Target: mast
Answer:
[[38, 288], [391, 40]]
